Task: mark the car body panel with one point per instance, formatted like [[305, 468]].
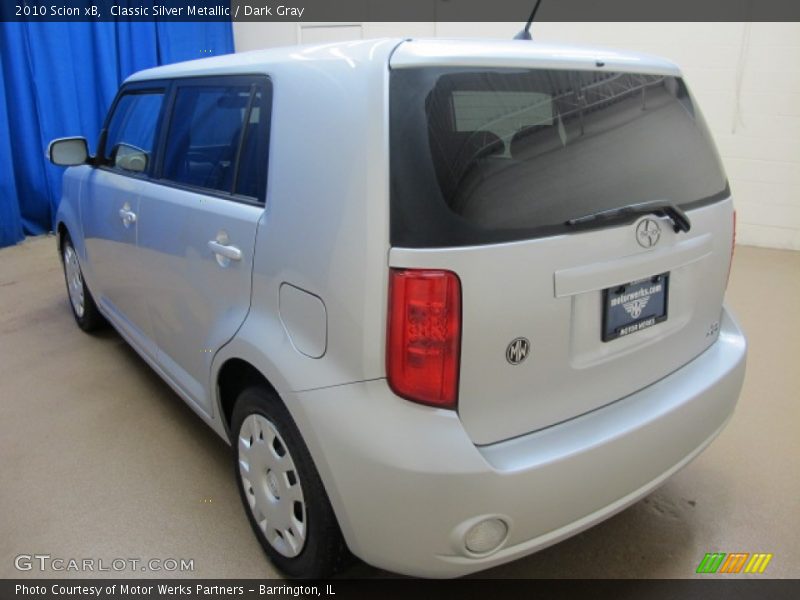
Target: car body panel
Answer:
[[111, 250], [196, 300], [549, 290], [415, 477]]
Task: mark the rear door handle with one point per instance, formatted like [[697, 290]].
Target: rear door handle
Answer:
[[229, 252]]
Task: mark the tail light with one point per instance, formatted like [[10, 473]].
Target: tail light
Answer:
[[733, 248], [423, 343]]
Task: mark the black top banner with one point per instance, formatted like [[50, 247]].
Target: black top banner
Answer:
[[398, 10]]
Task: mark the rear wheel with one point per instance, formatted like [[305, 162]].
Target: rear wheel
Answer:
[[84, 309], [280, 488]]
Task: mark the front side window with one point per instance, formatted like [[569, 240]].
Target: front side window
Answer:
[[131, 132], [218, 139]]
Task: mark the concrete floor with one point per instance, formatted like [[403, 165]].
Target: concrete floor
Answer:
[[98, 458]]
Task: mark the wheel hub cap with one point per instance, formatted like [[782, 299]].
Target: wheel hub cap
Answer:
[[271, 485], [72, 271]]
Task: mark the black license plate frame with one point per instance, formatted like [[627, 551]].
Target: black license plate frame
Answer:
[[635, 306]]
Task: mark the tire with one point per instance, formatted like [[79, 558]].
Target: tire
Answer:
[[281, 491], [83, 306]]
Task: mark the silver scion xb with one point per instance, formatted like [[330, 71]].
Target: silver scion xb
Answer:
[[449, 301]]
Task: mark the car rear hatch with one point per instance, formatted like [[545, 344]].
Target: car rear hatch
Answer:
[[584, 209]]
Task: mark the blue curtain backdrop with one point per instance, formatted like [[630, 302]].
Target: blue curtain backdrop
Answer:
[[58, 80]]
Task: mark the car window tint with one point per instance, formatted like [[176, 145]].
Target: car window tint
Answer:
[[252, 178], [132, 131], [204, 134], [483, 156]]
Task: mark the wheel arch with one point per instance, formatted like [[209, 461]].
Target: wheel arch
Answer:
[[61, 233], [234, 376], [242, 363]]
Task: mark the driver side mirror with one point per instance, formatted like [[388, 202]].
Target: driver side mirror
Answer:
[[68, 152]]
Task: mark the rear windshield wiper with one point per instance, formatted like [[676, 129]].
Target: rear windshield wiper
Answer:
[[680, 220]]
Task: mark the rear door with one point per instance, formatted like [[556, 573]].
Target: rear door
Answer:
[[198, 221], [529, 185]]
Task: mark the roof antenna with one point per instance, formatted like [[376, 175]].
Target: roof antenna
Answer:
[[525, 34]]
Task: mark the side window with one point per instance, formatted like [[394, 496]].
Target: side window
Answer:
[[203, 140], [218, 137], [252, 176], [132, 131]]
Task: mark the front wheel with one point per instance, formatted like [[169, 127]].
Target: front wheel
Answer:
[[85, 311], [281, 490]]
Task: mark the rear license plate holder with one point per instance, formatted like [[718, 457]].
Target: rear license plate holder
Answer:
[[634, 306]]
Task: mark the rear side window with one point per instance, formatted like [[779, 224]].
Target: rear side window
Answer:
[[251, 178], [132, 130], [218, 138], [483, 156]]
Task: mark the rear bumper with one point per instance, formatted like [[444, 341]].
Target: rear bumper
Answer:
[[405, 480]]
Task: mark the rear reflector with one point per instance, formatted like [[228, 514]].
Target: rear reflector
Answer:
[[424, 336]]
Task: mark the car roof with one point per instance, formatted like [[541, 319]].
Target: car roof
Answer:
[[526, 54], [355, 53], [405, 53]]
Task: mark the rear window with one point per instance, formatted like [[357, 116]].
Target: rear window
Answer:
[[483, 156]]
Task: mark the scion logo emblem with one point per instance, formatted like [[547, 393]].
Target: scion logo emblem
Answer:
[[517, 350], [648, 232]]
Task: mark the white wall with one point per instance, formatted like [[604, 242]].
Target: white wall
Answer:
[[746, 77]]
